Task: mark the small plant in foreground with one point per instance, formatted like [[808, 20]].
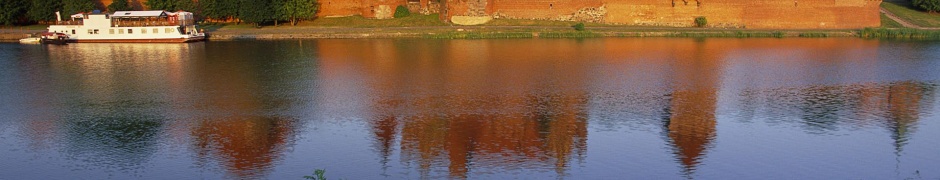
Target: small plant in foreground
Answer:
[[701, 21], [578, 27], [317, 175], [402, 11]]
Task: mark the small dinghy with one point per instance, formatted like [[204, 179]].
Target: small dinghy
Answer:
[[30, 40]]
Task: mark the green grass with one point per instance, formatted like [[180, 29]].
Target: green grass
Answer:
[[735, 34], [529, 22], [415, 20], [904, 33], [480, 35], [906, 11], [571, 34], [889, 23], [814, 34]]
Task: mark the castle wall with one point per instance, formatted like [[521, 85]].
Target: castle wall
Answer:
[[775, 14], [766, 14], [751, 14]]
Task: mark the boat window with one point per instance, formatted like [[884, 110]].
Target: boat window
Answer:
[[73, 31], [130, 31], [110, 31], [143, 31], [120, 31], [155, 30], [96, 31], [91, 32]]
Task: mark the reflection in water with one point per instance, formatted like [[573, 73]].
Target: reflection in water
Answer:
[[470, 109], [691, 126], [461, 118], [116, 109], [112, 107]]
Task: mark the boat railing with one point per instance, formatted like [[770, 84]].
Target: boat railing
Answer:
[[143, 23], [69, 22]]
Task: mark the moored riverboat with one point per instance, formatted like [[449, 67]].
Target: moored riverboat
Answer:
[[130, 26]]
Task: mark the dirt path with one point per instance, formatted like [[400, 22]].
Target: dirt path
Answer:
[[902, 21]]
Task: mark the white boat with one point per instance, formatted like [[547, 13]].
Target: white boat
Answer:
[[30, 40], [130, 26]]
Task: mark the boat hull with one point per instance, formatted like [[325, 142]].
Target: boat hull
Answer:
[[170, 40]]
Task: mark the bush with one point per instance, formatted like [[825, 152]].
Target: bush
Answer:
[[402, 11], [701, 21], [578, 27], [928, 5]]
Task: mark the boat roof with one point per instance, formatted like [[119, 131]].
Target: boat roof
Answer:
[[136, 14]]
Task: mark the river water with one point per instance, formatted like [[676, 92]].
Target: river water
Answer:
[[608, 108]]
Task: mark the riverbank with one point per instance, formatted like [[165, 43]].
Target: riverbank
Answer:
[[501, 32], [478, 32]]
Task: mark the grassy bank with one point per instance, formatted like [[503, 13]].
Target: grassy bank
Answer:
[[912, 34], [889, 23], [909, 13], [415, 20]]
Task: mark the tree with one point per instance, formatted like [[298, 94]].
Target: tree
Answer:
[[43, 10], [120, 5], [296, 9], [258, 12], [172, 5], [12, 11], [931, 6], [219, 9], [160, 4], [70, 7]]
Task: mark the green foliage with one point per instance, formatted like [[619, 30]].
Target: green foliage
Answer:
[[909, 13], [258, 12], [577, 34], [119, 5], [900, 34], [416, 20], [578, 27], [480, 35], [70, 7], [402, 11], [928, 5], [12, 10], [295, 10], [814, 34], [220, 9], [735, 34], [318, 174], [172, 5], [701, 21], [44, 10]]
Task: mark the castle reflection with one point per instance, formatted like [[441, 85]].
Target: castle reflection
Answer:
[[472, 112], [691, 125], [461, 109]]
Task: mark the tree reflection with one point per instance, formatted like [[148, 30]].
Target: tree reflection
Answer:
[[245, 128]]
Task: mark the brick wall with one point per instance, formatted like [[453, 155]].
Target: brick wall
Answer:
[[751, 14], [330, 8], [541, 9], [763, 14], [767, 14]]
